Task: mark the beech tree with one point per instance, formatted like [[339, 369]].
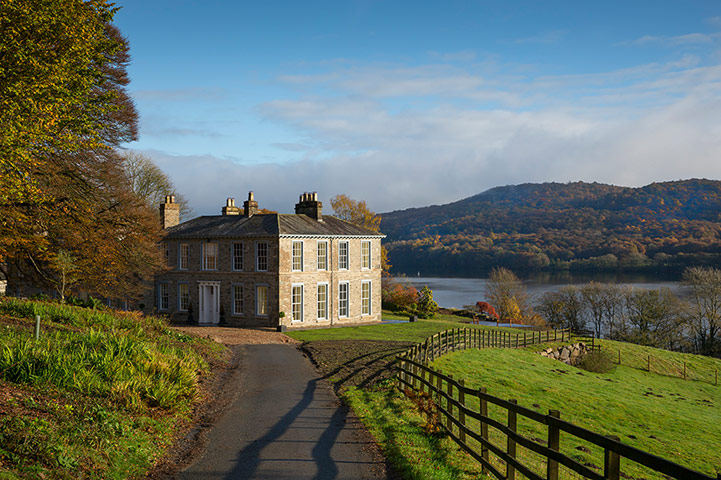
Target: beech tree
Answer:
[[64, 109]]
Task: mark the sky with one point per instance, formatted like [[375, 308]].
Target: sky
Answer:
[[413, 103]]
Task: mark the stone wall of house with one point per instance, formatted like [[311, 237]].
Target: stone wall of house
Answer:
[[310, 277], [569, 354], [248, 278], [279, 279]]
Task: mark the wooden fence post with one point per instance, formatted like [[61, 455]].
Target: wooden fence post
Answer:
[[439, 387], [423, 377], [449, 405], [524, 339], [511, 444], [414, 370], [612, 462], [461, 413], [484, 425], [516, 340], [554, 443]]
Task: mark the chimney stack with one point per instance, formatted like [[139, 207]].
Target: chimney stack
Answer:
[[169, 212], [308, 204], [230, 208], [250, 206]]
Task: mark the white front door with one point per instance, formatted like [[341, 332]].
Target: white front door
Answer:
[[209, 295]]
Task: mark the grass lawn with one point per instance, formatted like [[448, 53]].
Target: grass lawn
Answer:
[[399, 332], [100, 395], [656, 412], [659, 414]]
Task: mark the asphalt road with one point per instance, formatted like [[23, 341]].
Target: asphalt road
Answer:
[[285, 423]]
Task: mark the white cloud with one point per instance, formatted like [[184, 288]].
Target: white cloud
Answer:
[[678, 40], [401, 136]]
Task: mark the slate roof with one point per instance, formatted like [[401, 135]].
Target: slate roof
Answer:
[[266, 225]]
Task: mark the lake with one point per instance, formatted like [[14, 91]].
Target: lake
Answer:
[[457, 292]]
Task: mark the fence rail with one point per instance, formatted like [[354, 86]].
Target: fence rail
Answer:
[[460, 406]]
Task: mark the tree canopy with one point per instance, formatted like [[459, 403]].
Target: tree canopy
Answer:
[[64, 108]]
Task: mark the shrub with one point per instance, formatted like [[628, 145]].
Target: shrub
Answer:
[[399, 296], [426, 306], [597, 361]]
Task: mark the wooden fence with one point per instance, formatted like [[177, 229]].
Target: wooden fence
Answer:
[[464, 415]]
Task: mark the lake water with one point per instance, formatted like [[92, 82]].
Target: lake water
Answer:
[[457, 292]]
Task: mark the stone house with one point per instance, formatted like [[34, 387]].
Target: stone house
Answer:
[[245, 268]]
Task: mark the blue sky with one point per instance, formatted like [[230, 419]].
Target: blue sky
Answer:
[[416, 103]]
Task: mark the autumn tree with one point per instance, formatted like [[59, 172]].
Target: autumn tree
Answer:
[[56, 58], [357, 212], [506, 293], [150, 183], [65, 109]]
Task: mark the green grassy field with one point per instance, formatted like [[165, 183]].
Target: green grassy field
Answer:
[[666, 416], [657, 412], [100, 395], [400, 332]]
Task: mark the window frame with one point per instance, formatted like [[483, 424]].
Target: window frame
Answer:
[[293, 303], [346, 300], [317, 301], [258, 256], [294, 257], [183, 265], [233, 256], [257, 296], [369, 298], [234, 292], [205, 257], [324, 257], [163, 294], [343, 258], [180, 296], [365, 244]]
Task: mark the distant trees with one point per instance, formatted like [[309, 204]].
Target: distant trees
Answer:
[[577, 227], [649, 317], [703, 315]]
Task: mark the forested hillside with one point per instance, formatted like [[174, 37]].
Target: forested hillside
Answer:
[[585, 226]]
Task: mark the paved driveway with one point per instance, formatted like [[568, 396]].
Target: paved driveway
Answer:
[[285, 423]]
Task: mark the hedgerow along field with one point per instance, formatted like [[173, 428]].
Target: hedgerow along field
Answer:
[[658, 411], [100, 395]]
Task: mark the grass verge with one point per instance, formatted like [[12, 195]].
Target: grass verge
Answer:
[[100, 395]]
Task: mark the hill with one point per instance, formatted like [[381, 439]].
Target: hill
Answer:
[[586, 226]]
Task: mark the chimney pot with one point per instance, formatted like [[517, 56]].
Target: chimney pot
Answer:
[[250, 206]]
